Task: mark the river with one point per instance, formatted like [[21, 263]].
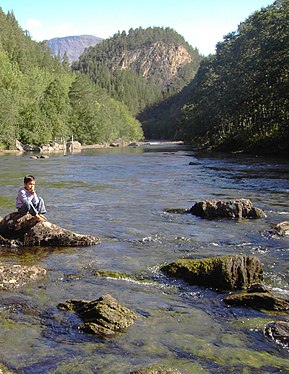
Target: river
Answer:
[[120, 195]]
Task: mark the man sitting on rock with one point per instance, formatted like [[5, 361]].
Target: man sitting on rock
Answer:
[[27, 200]]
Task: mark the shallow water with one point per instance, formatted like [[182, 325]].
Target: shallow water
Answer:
[[121, 195]]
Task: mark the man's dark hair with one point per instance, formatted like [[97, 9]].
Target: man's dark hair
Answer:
[[28, 178]]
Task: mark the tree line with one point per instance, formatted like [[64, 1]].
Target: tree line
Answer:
[[234, 100], [42, 99], [239, 97]]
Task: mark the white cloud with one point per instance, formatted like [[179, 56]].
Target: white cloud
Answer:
[[42, 31]]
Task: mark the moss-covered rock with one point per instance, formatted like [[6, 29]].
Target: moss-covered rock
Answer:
[[258, 300], [111, 274], [103, 316], [221, 272]]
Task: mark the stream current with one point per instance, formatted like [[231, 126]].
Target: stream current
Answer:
[[121, 195]]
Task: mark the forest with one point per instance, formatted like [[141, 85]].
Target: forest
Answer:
[[239, 98], [42, 100], [235, 100], [103, 64]]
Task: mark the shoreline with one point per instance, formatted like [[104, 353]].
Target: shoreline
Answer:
[[106, 145]]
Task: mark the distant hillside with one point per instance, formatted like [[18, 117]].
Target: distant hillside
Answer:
[[72, 45], [141, 68]]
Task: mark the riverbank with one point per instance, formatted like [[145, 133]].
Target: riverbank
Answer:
[[100, 145]]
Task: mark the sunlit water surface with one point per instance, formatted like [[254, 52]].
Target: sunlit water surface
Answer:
[[121, 195]]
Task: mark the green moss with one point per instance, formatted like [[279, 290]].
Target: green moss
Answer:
[[252, 323], [111, 274], [223, 272]]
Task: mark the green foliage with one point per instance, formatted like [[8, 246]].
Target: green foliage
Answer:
[[121, 66], [239, 97], [97, 118], [39, 100]]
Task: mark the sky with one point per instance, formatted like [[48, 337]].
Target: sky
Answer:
[[203, 23]]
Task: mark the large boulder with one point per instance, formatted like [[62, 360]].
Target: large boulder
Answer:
[[48, 234], [220, 272], [14, 276], [15, 225], [73, 146], [104, 316], [28, 231], [240, 208]]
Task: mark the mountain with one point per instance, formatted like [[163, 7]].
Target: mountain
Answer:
[[141, 68], [74, 46]]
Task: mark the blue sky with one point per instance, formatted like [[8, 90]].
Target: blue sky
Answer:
[[202, 23]]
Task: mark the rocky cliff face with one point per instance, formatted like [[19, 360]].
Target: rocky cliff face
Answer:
[[147, 61], [72, 45]]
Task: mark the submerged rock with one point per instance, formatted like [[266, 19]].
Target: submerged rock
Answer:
[[221, 272], [9, 243], [258, 300], [16, 229], [156, 369], [104, 316], [240, 208], [278, 331], [14, 276], [177, 210], [281, 229]]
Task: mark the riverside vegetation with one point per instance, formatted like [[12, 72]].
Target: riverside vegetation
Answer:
[[151, 82], [41, 99]]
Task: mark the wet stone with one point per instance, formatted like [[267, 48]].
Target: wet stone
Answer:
[[104, 316], [220, 272], [156, 369], [238, 209], [16, 229], [14, 276], [278, 331], [258, 300]]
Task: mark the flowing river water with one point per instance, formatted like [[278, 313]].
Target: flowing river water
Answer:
[[121, 195]]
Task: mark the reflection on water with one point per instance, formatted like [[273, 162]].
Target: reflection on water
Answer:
[[121, 195]]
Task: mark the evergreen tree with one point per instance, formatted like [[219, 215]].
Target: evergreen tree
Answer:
[[104, 64], [239, 97], [36, 96]]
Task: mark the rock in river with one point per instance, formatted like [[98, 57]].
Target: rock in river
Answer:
[[104, 316], [278, 331], [27, 231], [258, 300], [14, 276], [240, 208], [221, 272], [281, 229]]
